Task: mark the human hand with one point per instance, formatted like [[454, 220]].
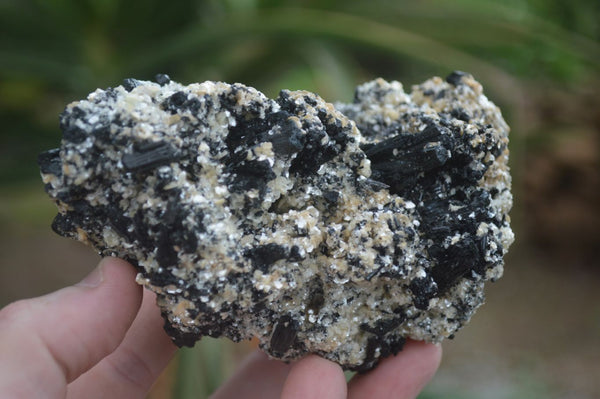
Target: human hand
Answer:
[[398, 377], [103, 337]]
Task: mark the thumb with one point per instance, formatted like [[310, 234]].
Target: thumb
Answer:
[[49, 341]]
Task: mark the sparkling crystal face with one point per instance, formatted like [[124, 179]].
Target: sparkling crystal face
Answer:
[[337, 230]]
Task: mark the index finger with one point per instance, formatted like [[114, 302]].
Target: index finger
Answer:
[[402, 376]]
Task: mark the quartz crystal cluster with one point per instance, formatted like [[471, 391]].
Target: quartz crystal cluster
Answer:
[[340, 230]]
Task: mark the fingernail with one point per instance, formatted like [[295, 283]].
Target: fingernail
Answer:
[[93, 279]]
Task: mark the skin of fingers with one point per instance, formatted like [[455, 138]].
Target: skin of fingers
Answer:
[[134, 366], [315, 377], [49, 341], [257, 378], [399, 377]]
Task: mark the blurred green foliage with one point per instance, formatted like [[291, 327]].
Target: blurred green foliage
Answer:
[[56, 51], [203, 368]]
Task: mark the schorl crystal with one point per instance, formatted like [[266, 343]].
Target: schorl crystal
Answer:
[[337, 230]]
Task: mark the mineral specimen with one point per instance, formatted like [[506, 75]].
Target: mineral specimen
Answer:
[[339, 231]]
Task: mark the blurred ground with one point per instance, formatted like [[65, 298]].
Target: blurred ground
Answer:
[[536, 337]]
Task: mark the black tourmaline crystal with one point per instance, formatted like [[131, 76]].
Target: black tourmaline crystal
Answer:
[[337, 230]]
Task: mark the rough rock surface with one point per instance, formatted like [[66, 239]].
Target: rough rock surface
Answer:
[[340, 231]]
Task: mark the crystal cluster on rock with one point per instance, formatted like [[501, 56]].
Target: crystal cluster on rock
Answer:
[[337, 230]]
